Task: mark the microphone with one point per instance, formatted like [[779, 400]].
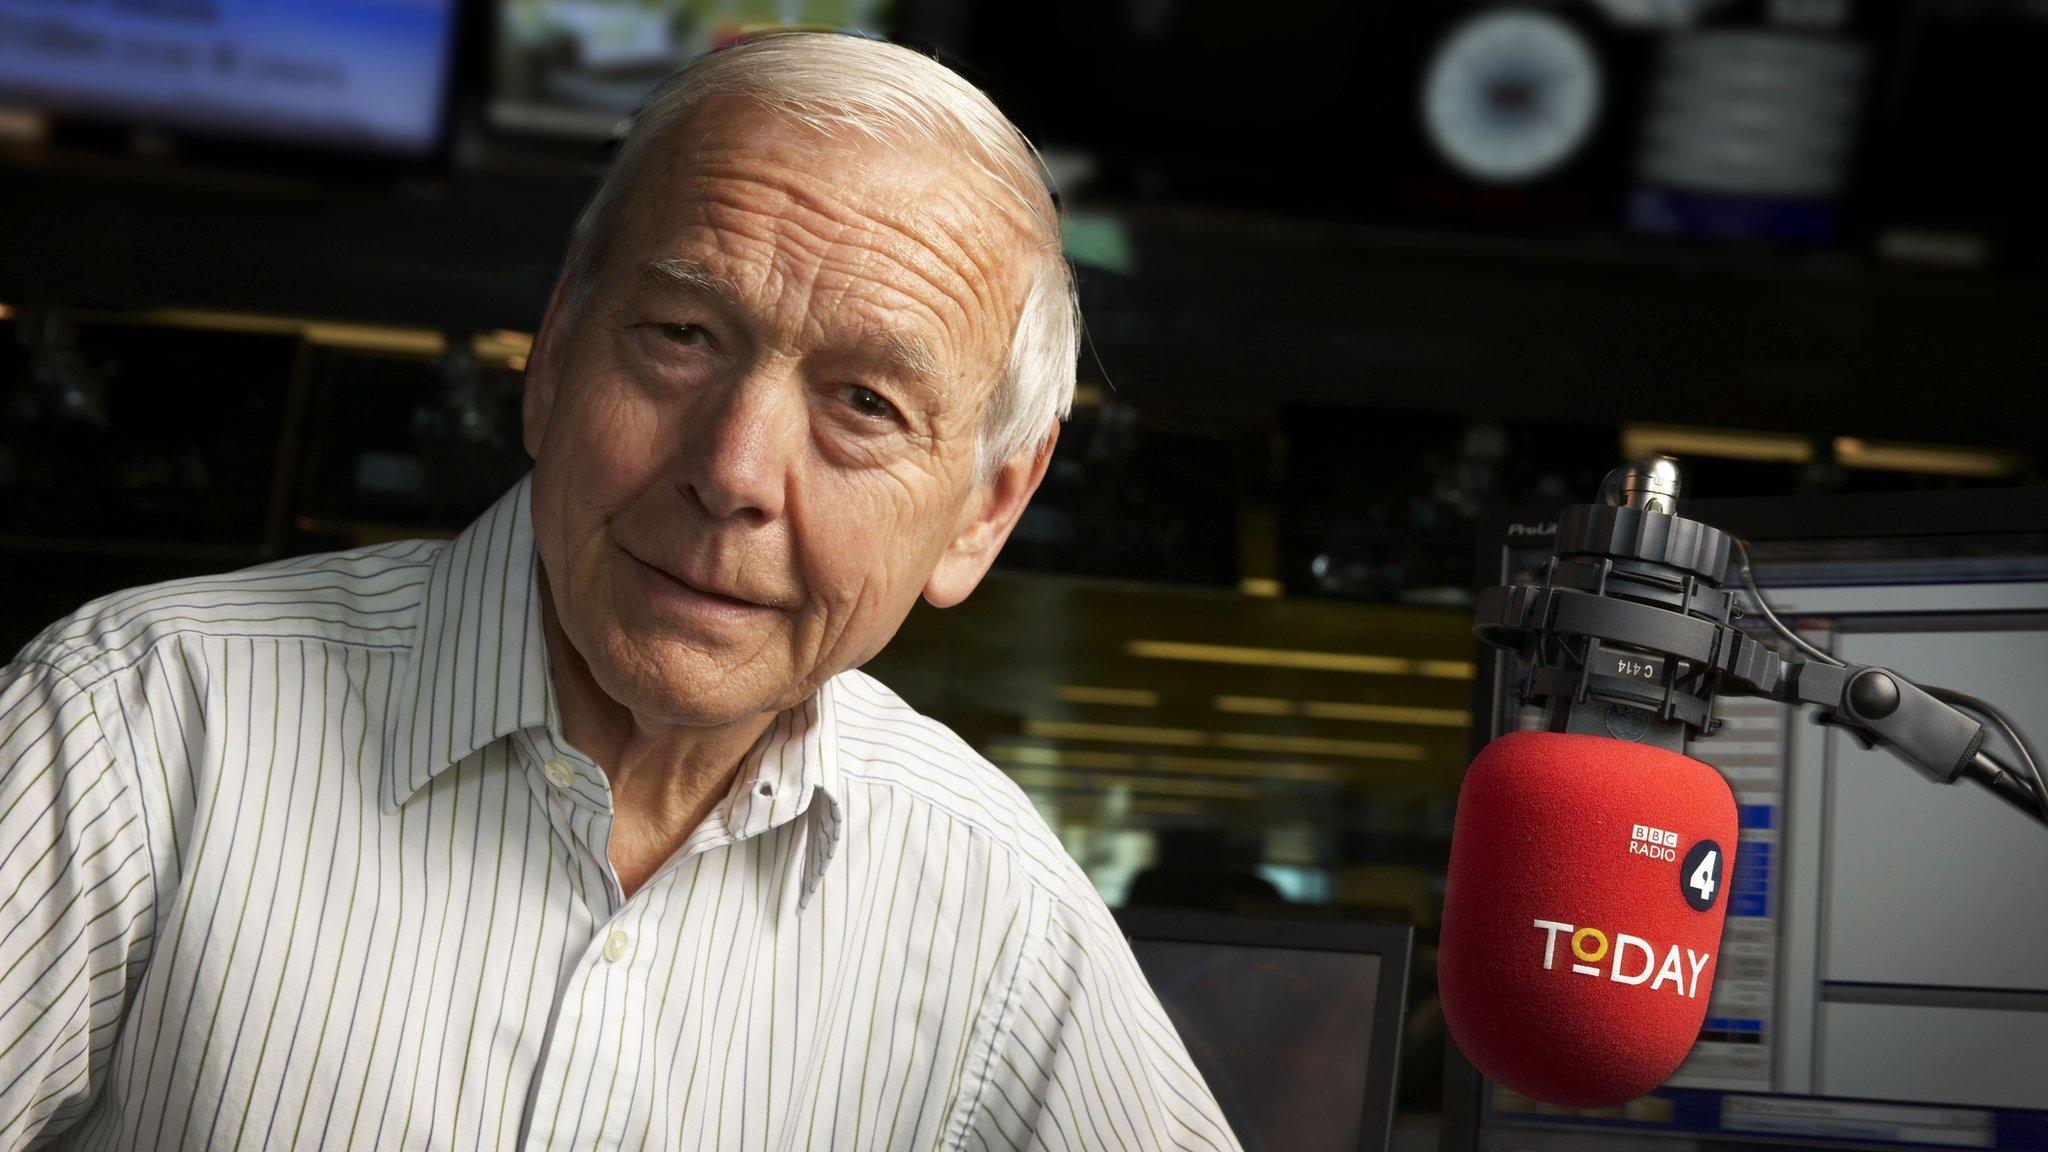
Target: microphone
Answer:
[[1582, 907], [1582, 913]]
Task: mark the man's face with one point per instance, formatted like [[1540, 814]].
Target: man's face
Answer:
[[755, 439]]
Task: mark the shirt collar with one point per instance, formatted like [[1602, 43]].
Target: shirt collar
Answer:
[[478, 672], [792, 771], [478, 669]]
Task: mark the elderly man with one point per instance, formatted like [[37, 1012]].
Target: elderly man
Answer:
[[579, 831]]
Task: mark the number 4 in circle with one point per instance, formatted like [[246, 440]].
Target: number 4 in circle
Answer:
[[1699, 878], [1703, 876]]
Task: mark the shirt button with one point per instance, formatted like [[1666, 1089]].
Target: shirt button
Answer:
[[559, 773], [617, 945]]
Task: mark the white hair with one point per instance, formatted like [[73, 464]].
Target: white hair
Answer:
[[844, 83]]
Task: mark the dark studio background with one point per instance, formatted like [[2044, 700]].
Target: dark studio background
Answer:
[[1798, 244]]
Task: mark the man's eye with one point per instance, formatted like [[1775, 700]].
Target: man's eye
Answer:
[[869, 403], [687, 335]]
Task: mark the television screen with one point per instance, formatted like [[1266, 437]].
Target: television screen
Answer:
[[1282, 1035], [353, 75], [580, 67]]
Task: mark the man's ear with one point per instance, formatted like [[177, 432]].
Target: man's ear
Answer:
[[990, 514], [544, 360]]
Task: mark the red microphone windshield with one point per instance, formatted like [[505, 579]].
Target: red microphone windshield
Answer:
[[1582, 913]]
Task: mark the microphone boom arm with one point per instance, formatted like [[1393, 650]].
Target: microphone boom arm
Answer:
[[1673, 664], [1630, 617], [1880, 707]]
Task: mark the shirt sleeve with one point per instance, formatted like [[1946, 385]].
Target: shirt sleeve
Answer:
[[1088, 1058], [76, 901]]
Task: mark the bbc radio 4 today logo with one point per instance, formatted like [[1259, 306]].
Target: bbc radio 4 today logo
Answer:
[[1624, 959]]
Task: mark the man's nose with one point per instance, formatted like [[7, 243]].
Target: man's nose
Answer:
[[739, 449]]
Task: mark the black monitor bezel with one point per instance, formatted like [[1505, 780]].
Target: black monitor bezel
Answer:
[[1393, 943]]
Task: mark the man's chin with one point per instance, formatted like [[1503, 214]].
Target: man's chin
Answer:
[[685, 684]]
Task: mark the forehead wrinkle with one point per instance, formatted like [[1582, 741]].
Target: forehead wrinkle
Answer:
[[971, 262], [985, 325], [889, 184], [797, 252], [958, 262]]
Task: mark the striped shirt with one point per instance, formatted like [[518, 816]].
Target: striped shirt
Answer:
[[298, 857]]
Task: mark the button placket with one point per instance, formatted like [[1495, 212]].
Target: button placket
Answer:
[[603, 997]]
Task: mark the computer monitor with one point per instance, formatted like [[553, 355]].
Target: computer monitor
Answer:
[[578, 68], [318, 74], [1883, 982], [1295, 1024]]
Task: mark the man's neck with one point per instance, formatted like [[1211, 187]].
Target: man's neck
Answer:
[[665, 779]]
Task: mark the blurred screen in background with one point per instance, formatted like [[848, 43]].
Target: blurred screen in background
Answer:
[[359, 75], [577, 67]]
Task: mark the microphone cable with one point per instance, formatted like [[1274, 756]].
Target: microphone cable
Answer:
[[1972, 704], [1749, 582], [1950, 696]]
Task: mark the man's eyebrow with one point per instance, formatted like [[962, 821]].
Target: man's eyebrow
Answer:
[[690, 276], [911, 357]]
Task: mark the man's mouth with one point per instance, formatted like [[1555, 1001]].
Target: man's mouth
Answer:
[[705, 590]]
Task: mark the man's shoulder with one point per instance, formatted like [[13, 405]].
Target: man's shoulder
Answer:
[[884, 742], [363, 596]]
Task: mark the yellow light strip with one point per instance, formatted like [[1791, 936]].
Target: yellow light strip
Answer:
[[214, 321], [1295, 658], [1038, 756], [1259, 586], [1061, 757], [1242, 741], [1124, 697], [494, 347], [1317, 745], [1158, 785], [1255, 705], [1727, 444], [359, 337], [372, 338], [1387, 714], [1248, 769], [1340, 710], [1931, 459], [1090, 804], [1115, 733]]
